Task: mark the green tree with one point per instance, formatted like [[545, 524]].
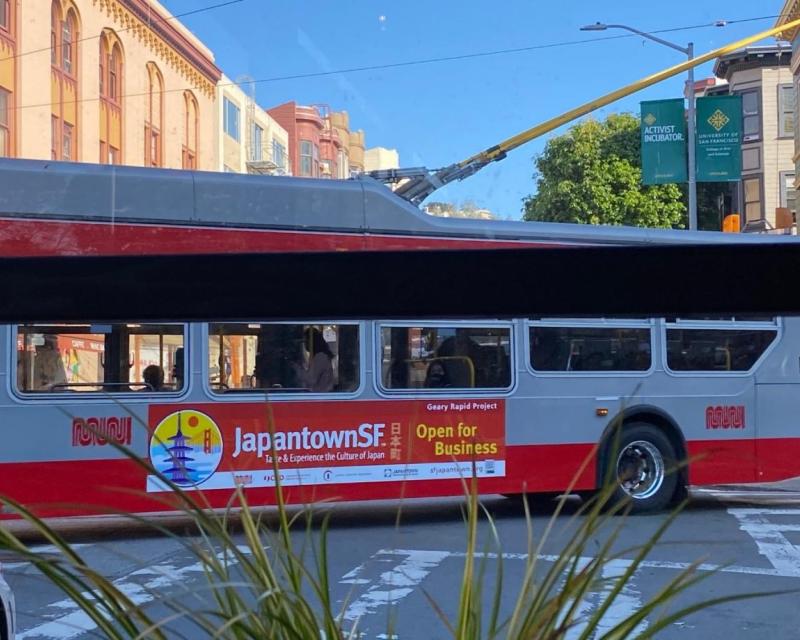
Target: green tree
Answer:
[[592, 175]]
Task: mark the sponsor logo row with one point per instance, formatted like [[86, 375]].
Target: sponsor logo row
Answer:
[[364, 473]]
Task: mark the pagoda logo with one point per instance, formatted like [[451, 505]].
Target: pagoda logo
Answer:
[[186, 447]]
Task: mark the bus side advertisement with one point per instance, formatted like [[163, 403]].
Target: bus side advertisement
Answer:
[[225, 445]]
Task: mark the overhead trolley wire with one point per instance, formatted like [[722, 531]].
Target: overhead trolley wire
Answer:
[[410, 63]]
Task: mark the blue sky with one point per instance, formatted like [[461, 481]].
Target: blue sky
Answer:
[[439, 113]]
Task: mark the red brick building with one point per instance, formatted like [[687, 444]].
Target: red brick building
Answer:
[[305, 126]]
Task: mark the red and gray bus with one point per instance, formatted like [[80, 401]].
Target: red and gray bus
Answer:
[[369, 409]]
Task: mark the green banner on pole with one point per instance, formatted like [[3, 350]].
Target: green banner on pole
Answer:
[[719, 139], [663, 141]]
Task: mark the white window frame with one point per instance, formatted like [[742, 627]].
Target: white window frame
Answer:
[[309, 155], [382, 391], [752, 137], [258, 395], [279, 154], [731, 325], [94, 397], [231, 125], [783, 111], [591, 323], [256, 148], [784, 176]]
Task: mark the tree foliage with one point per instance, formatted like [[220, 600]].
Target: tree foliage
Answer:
[[592, 175]]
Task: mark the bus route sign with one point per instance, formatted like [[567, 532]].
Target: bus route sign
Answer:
[[222, 445]]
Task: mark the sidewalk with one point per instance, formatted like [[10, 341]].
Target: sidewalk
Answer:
[[792, 485], [772, 493]]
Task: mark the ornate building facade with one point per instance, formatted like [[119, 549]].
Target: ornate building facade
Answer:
[[128, 84]]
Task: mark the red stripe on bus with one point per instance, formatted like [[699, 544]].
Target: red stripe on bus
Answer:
[[94, 487], [778, 459], [722, 461], [743, 460], [36, 238]]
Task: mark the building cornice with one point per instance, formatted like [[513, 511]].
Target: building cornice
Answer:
[[164, 40], [789, 12]]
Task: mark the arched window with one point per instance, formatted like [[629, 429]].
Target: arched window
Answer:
[[8, 50], [112, 60], [190, 131], [64, 34], [68, 43], [55, 21], [115, 74], [154, 117]]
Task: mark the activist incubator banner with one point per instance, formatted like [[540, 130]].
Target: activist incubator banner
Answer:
[[663, 141]]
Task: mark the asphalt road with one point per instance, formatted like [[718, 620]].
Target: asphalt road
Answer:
[[383, 574]]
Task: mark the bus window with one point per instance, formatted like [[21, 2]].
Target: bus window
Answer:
[[716, 318], [716, 349], [592, 349], [101, 358], [436, 357], [286, 358]]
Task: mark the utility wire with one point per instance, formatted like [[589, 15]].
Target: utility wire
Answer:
[[421, 61], [153, 18]]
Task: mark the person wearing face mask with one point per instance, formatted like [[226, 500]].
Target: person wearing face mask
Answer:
[[436, 376]]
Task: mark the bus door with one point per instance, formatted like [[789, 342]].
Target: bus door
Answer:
[[713, 360], [777, 420]]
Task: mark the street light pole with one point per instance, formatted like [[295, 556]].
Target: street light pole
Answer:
[[691, 133], [688, 93]]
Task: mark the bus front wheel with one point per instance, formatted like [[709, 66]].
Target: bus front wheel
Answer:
[[642, 466]]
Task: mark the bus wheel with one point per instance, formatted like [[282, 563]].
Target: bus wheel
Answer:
[[644, 468]]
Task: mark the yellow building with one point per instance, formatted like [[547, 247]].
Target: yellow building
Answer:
[[128, 84], [250, 140]]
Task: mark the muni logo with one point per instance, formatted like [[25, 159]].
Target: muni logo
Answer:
[[90, 432], [725, 417]]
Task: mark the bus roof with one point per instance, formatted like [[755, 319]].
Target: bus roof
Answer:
[[122, 194]]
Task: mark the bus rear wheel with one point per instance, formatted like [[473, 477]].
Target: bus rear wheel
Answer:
[[643, 468]]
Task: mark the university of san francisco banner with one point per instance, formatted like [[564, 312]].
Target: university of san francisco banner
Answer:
[[719, 138], [663, 141]]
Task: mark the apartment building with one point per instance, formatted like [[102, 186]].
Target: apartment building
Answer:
[[250, 139]]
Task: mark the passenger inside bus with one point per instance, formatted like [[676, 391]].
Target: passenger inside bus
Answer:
[[177, 368], [317, 376], [278, 358], [436, 376], [48, 367], [283, 358], [153, 377]]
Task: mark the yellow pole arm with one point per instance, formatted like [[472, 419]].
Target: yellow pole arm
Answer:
[[500, 150]]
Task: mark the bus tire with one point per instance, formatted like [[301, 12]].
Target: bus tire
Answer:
[[643, 468]]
